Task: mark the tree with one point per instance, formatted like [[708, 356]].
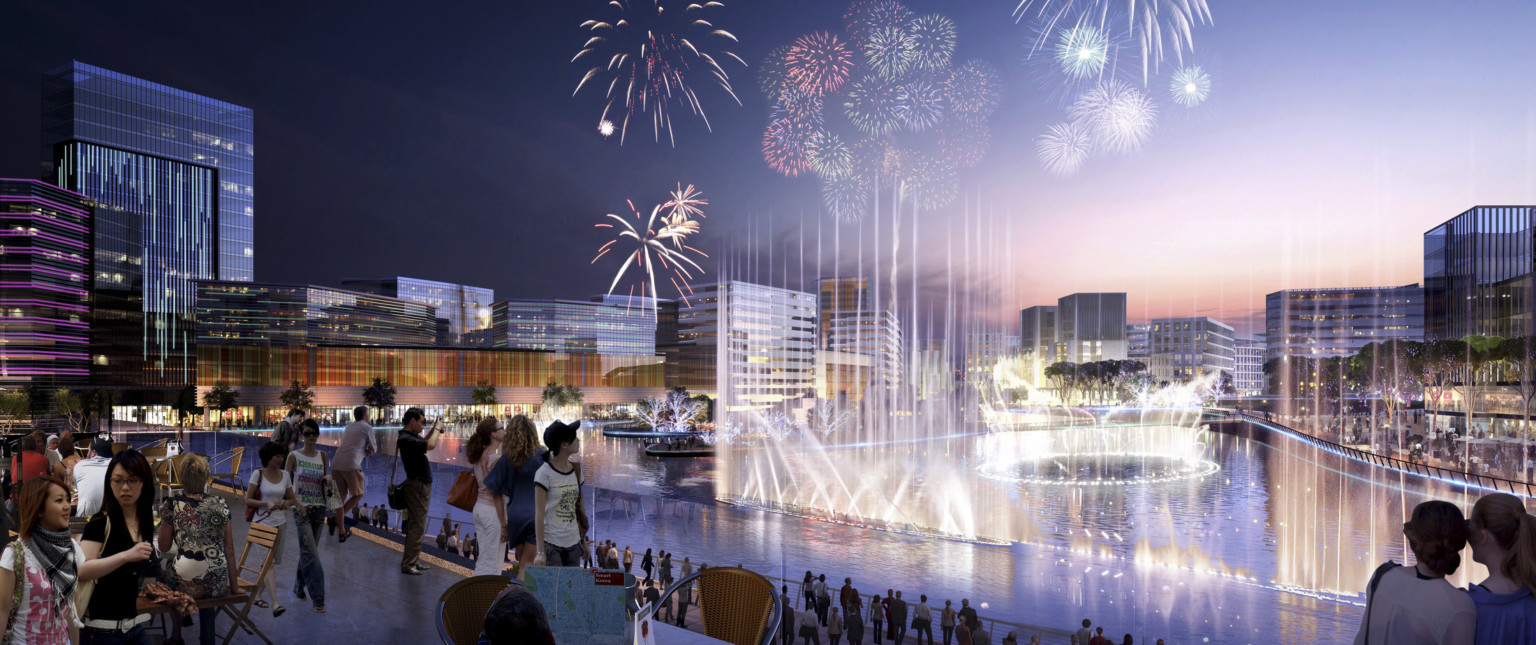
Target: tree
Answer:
[[14, 405], [1441, 356], [1481, 353], [1391, 370], [484, 394], [298, 395], [1520, 358], [186, 406], [73, 407], [221, 398], [1063, 375], [380, 395]]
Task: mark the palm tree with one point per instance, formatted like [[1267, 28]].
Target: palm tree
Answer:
[[484, 394]]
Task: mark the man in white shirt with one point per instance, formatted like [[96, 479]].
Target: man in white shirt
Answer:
[[357, 441], [91, 477]]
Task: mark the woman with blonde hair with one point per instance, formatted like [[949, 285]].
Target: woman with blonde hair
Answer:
[[1503, 538], [484, 450], [512, 478], [198, 526]]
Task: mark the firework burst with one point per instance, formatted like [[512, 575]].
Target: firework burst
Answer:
[[685, 205], [786, 145], [797, 106], [1064, 147], [1119, 117], [649, 241], [830, 157], [651, 58], [1190, 86], [930, 182], [845, 199], [772, 72], [605, 128], [877, 162], [921, 105], [933, 42], [974, 89], [865, 16], [818, 63], [873, 105], [1081, 51], [1160, 27], [889, 51]]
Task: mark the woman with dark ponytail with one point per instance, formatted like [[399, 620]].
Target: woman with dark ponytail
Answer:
[[1503, 538], [1415, 605]]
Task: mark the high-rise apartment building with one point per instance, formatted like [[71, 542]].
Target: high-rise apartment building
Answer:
[[45, 280], [463, 310], [1090, 327], [1338, 322], [1248, 368], [982, 352], [1478, 274], [1037, 331], [1138, 341], [171, 173], [750, 345], [847, 322], [1187, 348]]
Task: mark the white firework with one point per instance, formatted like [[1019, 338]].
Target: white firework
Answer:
[[605, 128], [1190, 86], [1160, 27], [1081, 51], [1064, 147], [1118, 116]]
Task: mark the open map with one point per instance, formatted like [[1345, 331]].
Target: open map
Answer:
[[580, 609]]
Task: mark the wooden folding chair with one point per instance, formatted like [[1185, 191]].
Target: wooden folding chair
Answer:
[[263, 536]]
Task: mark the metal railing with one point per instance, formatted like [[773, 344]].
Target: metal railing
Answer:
[[1486, 482]]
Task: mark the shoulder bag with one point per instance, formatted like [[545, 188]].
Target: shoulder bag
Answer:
[[465, 490], [84, 590], [250, 511], [395, 494]]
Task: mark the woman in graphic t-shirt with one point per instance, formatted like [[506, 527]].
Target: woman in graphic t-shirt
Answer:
[[557, 488]]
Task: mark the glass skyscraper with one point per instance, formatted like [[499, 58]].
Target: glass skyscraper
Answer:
[[171, 173], [1478, 273], [240, 313], [573, 327], [1338, 322], [45, 274], [462, 308]]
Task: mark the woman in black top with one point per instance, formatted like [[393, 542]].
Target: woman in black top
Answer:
[[117, 550]]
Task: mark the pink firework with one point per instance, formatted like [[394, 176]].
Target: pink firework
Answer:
[[864, 16], [819, 63], [786, 146]]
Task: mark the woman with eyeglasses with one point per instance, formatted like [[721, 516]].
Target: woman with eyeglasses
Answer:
[[490, 511], [117, 551]]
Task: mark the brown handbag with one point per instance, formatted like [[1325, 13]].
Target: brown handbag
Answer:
[[464, 492]]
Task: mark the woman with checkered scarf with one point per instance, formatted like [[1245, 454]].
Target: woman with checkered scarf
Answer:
[[39, 570]]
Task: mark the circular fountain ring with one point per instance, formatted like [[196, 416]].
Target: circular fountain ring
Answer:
[[1101, 469]]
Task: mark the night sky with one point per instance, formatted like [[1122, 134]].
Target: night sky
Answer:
[[443, 142]]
